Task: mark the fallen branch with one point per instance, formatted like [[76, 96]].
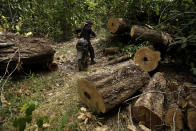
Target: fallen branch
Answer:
[[120, 59]]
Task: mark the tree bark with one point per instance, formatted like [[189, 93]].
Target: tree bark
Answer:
[[148, 109], [174, 117], [191, 118], [109, 87], [117, 25], [119, 59], [28, 51], [154, 36], [147, 58], [111, 50]]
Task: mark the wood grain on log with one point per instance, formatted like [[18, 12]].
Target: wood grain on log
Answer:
[[147, 58], [148, 109], [117, 25], [109, 87]]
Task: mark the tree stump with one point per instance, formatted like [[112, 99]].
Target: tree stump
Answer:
[[117, 25], [109, 87], [154, 36], [147, 58], [148, 109]]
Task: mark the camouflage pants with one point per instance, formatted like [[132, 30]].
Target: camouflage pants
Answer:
[[82, 56]]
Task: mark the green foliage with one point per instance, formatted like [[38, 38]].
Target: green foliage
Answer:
[[131, 49], [40, 121], [20, 123], [55, 19], [64, 120]]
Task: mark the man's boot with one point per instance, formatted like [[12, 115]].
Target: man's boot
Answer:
[[93, 62]]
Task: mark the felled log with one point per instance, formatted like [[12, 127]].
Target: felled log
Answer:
[[117, 25], [110, 50], [174, 117], [26, 52], [107, 88], [191, 118], [147, 58], [53, 66], [148, 109], [120, 59], [154, 36], [191, 112], [5, 44]]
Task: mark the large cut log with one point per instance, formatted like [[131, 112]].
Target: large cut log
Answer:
[[191, 119], [110, 50], [107, 88], [147, 58], [148, 109], [117, 25], [25, 52], [191, 112], [174, 117], [154, 36]]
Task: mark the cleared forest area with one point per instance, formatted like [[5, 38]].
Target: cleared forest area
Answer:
[[144, 77]]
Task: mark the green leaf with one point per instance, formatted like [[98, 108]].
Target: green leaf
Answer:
[[18, 28], [40, 121], [28, 119], [20, 123], [194, 71], [64, 120], [31, 107], [157, 9], [183, 45]]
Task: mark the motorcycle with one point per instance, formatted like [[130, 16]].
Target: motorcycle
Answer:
[[82, 54]]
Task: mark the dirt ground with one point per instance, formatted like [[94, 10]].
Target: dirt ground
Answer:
[[58, 99]]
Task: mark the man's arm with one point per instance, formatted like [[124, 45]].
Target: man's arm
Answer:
[[93, 33], [78, 30]]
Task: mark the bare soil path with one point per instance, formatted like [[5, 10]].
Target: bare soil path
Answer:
[[57, 94]]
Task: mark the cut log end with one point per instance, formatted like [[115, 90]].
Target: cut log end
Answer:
[[90, 96], [132, 31], [53, 66], [191, 117], [174, 112], [148, 118], [116, 25], [147, 58]]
